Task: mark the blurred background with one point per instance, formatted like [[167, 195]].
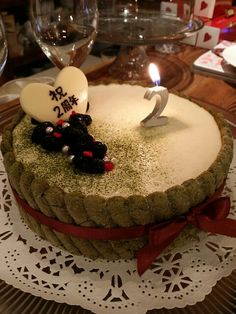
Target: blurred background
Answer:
[[25, 57]]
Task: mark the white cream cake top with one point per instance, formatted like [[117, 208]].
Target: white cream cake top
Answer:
[[165, 155], [147, 159]]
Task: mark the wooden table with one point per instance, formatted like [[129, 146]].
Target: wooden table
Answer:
[[209, 92]]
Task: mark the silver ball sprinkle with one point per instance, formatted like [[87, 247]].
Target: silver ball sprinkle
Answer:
[[71, 157], [65, 125], [114, 160], [106, 158], [65, 149], [49, 129]]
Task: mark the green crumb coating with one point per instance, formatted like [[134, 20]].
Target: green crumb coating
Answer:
[[105, 249], [218, 172], [207, 182], [25, 182], [119, 212], [33, 224], [96, 210], [51, 236], [194, 190], [17, 117], [74, 203], [178, 199], [6, 143], [8, 161], [226, 156], [14, 174], [160, 206], [67, 243], [127, 249], [85, 247], [54, 197], [139, 210], [38, 188]]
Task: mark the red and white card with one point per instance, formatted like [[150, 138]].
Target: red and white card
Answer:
[[186, 10], [211, 8], [168, 8], [204, 8], [191, 40], [210, 63], [208, 37]]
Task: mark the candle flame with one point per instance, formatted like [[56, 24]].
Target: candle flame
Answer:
[[154, 73]]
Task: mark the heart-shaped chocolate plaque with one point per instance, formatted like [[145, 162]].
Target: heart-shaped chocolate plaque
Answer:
[[51, 103]]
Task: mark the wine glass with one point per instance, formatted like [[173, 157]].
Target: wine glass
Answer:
[[3, 46], [134, 24], [64, 29]]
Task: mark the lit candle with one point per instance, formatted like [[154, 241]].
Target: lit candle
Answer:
[[161, 93]]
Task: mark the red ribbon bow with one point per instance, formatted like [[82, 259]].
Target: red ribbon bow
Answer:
[[210, 217]]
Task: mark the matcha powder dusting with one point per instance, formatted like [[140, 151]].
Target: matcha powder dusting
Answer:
[[139, 162]]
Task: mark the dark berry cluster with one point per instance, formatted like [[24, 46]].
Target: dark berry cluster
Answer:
[[72, 138]]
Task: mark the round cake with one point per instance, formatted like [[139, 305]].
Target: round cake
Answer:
[[160, 172]]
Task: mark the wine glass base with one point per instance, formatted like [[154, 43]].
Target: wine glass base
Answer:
[[175, 73], [168, 48], [130, 64]]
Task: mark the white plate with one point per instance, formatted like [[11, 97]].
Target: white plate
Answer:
[[8, 97], [15, 86], [229, 55]]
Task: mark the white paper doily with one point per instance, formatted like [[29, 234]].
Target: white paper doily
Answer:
[[180, 277]]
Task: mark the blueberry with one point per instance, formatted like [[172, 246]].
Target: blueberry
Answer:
[[85, 142], [34, 121], [80, 118], [39, 132], [99, 150], [51, 143], [89, 164], [71, 135], [80, 126]]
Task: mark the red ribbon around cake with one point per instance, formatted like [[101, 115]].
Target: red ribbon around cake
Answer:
[[210, 216]]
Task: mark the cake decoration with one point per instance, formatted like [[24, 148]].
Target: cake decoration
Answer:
[[72, 137], [161, 93], [43, 102], [61, 122], [159, 180]]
